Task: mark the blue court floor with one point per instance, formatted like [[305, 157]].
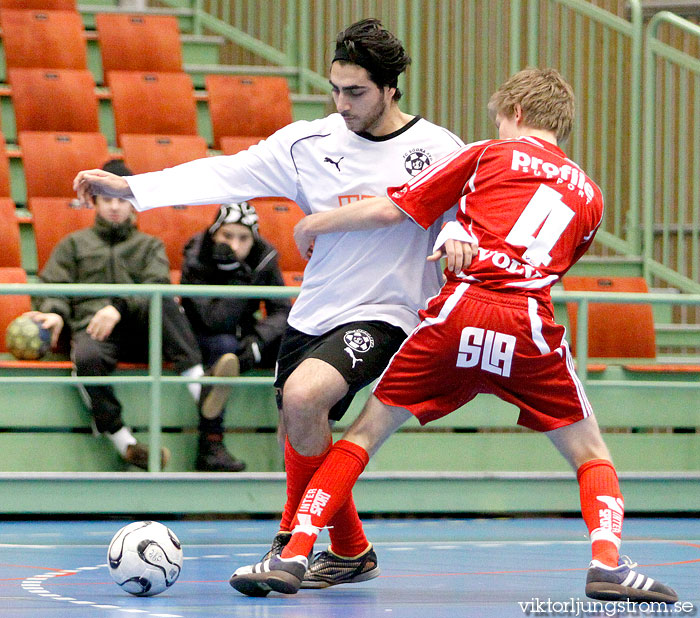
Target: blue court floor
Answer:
[[430, 569]]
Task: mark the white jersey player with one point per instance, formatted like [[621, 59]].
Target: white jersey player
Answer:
[[361, 290], [321, 165]]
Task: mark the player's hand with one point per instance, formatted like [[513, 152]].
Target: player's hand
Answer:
[[304, 238], [103, 323], [99, 182], [50, 321], [458, 252]]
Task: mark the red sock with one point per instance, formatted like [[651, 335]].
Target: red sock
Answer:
[[345, 528], [300, 470], [602, 508], [328, 490]]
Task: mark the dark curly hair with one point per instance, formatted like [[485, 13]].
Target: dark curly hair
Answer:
[[370, 45]]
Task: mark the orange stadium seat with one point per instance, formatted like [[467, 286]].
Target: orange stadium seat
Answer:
[[54, 100], [52, 159], [157, 103], [11, 306], [43, 39], [4, 169], [293, 278], [10, 249], [175, 225], [150, 153], [276, 220], [139, 42], [247, 105], [54, 218], [50, 5], [614, 330], [231, 144]]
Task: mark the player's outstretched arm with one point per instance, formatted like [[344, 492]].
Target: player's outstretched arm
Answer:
[[370, 213], [99, 182]]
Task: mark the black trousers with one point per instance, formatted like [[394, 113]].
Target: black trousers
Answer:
[[129, 343]]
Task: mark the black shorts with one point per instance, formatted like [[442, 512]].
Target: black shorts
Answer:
[[360, 351]]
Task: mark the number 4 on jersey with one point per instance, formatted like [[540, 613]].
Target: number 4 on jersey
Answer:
[[547, 213]]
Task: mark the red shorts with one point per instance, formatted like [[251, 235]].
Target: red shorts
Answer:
[[473, 341]]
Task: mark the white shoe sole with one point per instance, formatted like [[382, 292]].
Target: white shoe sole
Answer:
[[226, 367]]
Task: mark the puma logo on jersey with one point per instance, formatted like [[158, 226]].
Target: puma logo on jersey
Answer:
[[336, 163], [357, 340], [354, 358]]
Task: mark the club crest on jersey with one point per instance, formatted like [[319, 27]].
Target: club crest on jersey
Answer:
[[416, 160], [357, 340]]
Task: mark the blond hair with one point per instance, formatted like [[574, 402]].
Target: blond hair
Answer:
[[545, 98]]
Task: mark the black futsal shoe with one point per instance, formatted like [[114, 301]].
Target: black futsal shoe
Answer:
[[329, 569], [275, 574], [623, 584]]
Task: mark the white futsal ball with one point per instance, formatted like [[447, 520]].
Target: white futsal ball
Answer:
[[145, 558]]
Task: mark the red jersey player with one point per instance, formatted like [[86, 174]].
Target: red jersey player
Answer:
[[529, 214]]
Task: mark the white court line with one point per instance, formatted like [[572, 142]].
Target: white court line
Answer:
[[35, 585]]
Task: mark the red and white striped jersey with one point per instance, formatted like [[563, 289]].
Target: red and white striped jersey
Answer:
[[533, 211]]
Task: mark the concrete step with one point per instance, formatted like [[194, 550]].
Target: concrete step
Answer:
[[611, 266]]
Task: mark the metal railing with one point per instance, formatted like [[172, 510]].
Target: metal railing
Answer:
[[601, 54], [463, 49], [155, 378], [671, 155]]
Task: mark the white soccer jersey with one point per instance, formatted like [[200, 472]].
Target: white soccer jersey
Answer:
[[366, 275]]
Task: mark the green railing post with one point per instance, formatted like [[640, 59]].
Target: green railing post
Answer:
[[198, 6], [155, 368], [414, 94], [304, 46], [633, 218], [291, 44], [582, 341], [533, 32], [515, 36], [651, 157]]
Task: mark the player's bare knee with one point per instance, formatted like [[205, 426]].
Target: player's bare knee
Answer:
[[300, 402]]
